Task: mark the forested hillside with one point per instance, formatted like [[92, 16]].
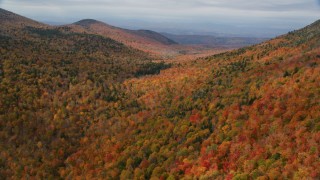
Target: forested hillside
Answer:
[[144, 40], [79, 106], [250, 113], [42, 70]]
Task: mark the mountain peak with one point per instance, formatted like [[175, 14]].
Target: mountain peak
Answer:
[[136, 38], [88, 22]]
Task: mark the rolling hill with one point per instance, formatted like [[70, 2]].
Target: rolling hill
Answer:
[[212, 41], [145, 36], [76, 105], [153, 35], [145, 40]]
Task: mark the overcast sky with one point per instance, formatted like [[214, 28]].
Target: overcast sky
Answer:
[[238, 17]]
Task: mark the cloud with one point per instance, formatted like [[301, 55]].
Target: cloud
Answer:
[[284, 14]]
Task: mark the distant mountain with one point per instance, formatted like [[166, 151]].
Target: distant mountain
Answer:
[[214, 41], [144, 40], [154, 35], [88, 22], [145, 34]]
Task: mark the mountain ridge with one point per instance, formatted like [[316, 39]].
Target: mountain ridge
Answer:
[[152, 35], [214, 41], [154, 42], [144, 40], [78, 105], [6, 18], [148, 41]]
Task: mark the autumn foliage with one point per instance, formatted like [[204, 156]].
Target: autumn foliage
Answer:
[[72, 107]]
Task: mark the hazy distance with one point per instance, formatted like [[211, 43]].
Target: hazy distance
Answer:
[[204, 17]]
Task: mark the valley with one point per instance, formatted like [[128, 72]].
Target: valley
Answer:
[[92, 101]]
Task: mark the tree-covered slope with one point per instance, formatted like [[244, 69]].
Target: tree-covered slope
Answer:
[[42, 70], [71, 109], [10, 19], [252, 113], [144, 40]]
